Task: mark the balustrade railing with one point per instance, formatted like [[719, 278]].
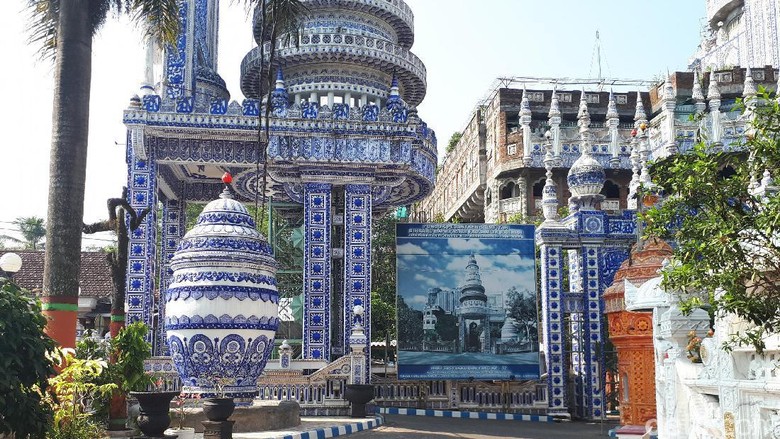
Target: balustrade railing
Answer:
[[322, 392]]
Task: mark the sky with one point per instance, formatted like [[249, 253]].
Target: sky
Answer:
[[464, 44]]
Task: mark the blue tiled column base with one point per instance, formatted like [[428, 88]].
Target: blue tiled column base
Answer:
[[464, 415]]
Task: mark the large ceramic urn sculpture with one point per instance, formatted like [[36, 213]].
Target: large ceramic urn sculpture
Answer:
[[222, 306]]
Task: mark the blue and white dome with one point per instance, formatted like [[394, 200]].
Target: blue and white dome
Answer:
[[222, 306], [586, 176]]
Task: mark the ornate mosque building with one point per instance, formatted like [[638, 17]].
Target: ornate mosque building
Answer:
[[345, 144]]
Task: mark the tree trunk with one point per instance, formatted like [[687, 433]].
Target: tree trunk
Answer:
[[67, 170]]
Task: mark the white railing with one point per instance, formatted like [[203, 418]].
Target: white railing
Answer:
[[510, 205], [610, 205]]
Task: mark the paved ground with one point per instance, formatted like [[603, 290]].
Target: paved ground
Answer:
[[427, 427]]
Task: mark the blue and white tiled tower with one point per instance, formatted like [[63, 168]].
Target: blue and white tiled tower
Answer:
[[346, 144]]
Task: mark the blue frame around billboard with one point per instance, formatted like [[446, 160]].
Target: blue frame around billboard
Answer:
[[467, 302]]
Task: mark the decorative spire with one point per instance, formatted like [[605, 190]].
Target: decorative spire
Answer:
[[668, 92], [669, 100], [583, 122], [713, 92], [555, 110], [525, 123], [394, 98], [525, 105], [697, 93], [550, 190], [749, 90], [279, 97], [612, 106], [613, 121], [640, 116], [634, 184]]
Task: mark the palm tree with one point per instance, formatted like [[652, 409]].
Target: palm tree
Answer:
[[32, 230], [64, 31]]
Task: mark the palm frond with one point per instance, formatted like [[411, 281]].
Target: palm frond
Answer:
[[43, 20], [159, 18]]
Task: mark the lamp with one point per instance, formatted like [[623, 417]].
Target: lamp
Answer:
[[10, 263]]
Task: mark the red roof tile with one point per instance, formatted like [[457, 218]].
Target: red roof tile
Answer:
[[94, 278]]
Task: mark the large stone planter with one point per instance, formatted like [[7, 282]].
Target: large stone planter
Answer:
[[358, 395], [222, 304]]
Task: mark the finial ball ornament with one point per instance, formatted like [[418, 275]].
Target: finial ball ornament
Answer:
[[227, 178]]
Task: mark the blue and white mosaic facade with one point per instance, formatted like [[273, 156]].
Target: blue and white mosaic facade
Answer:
[[346, 143], [595, 244], [316, 270]]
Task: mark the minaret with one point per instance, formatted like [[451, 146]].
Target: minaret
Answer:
[[713, 95], [613, 120], [473, 304], [525, 123], [191, 66]]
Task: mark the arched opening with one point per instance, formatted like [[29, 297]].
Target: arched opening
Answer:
[[611, 193], [510, 190]]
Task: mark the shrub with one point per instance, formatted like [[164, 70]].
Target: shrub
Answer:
[[25, 364]]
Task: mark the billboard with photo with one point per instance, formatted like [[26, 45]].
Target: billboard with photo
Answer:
[[467, 302]]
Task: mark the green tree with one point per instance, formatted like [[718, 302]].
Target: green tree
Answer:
[[25, 365], [726, 233], [32, 230], [447, 327], [64, 31], [382, 317], [383, 279], [411, 329], [453, 142]]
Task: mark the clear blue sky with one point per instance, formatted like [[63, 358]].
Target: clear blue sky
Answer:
[[464, 44]]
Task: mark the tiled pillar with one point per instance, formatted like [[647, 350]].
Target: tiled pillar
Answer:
[[593, 380], [173, 228], [142, 251], [552, 306], [357, 264], [316, 271]]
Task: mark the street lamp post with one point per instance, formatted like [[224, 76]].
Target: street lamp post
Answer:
[[10, 264]]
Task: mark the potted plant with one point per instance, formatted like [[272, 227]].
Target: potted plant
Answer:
[[179, 404], [131, 349], [219, 407]]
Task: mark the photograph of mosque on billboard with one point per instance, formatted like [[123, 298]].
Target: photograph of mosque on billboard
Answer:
[[467, 302]]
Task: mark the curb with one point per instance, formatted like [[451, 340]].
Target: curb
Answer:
[[342, 430], [464, 415]]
